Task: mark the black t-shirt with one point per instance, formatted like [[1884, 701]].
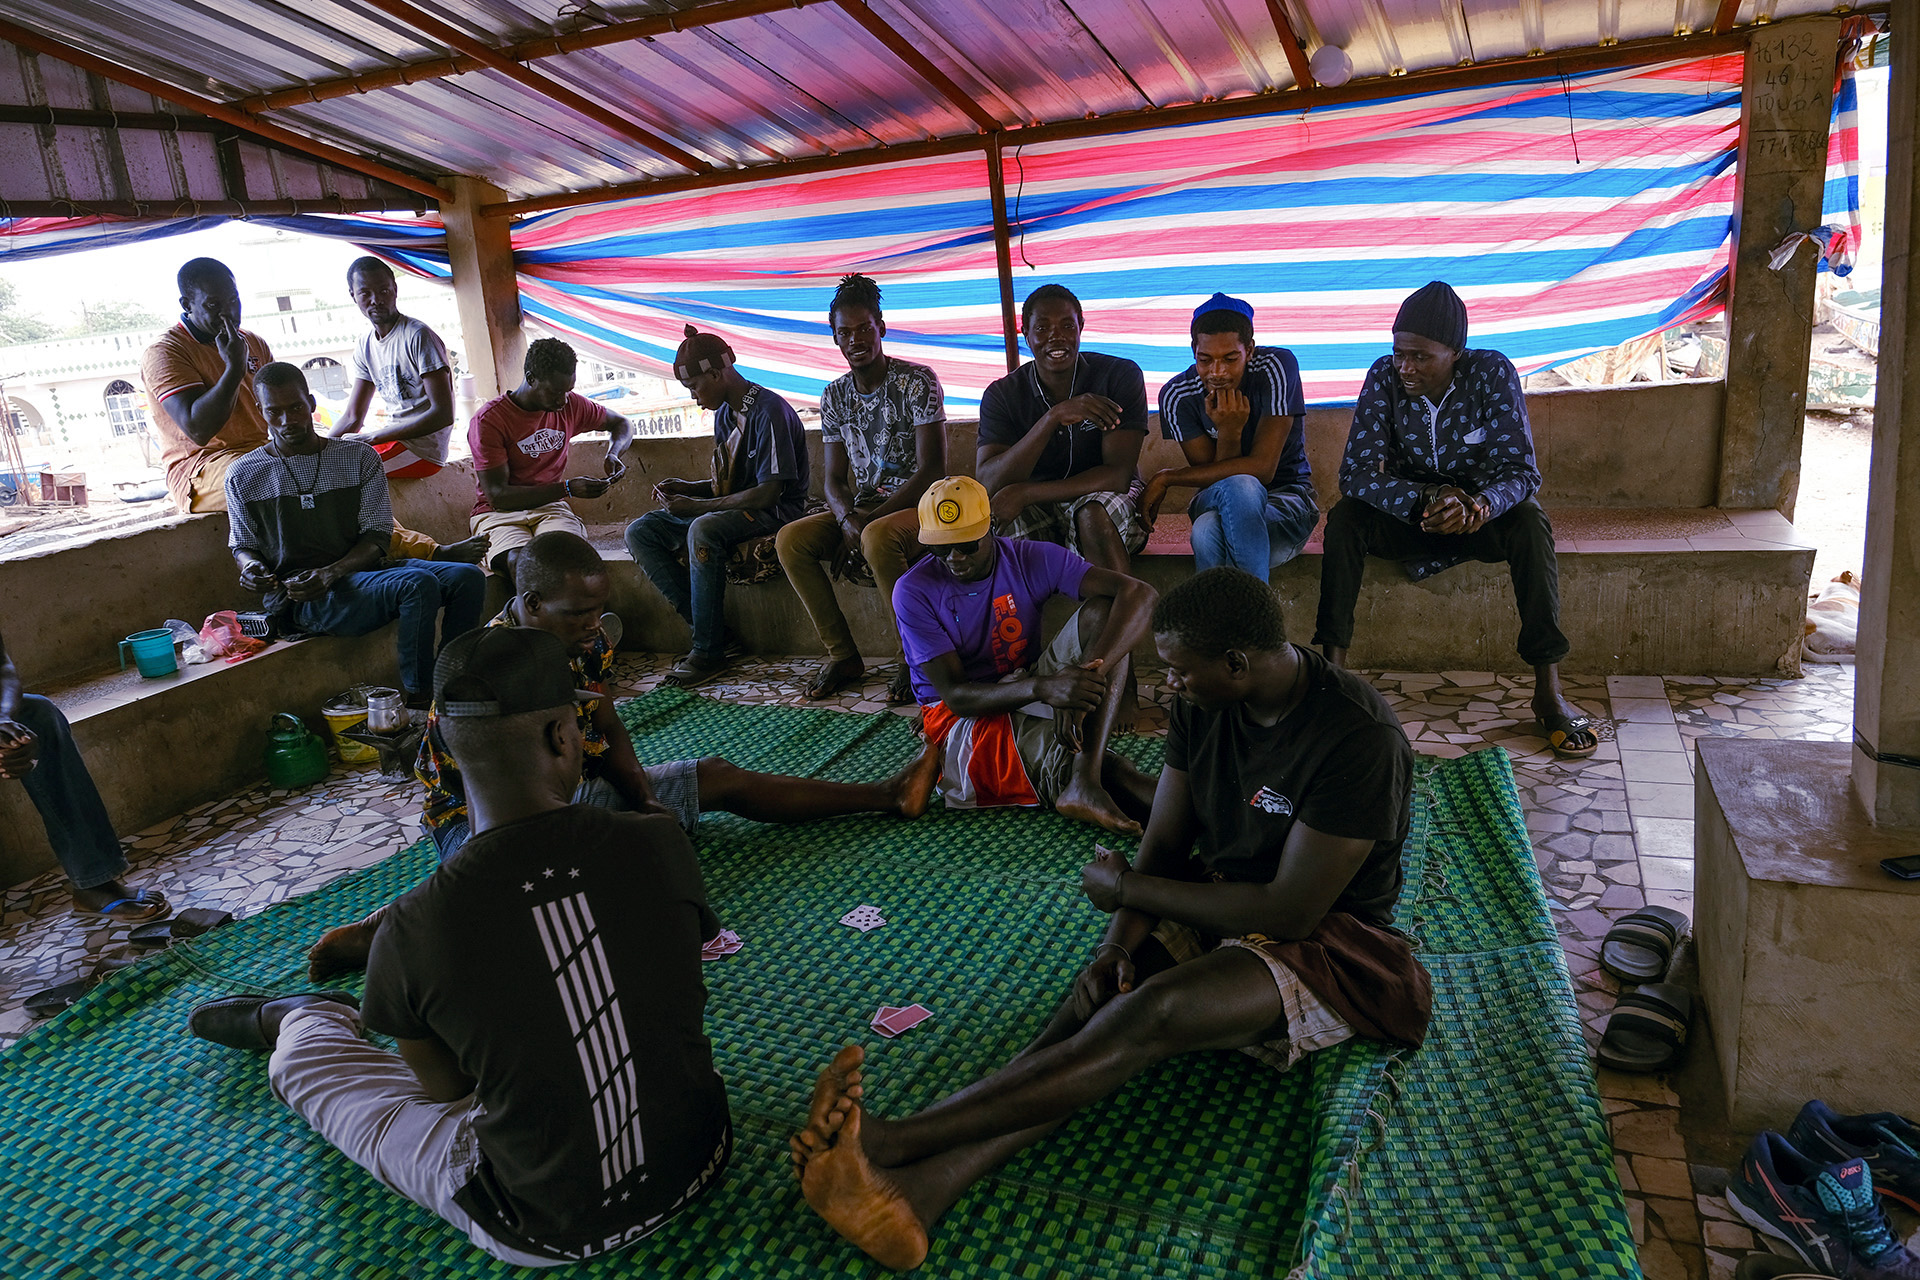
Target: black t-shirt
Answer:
[[1011, 405], [1339, 762], [559, 958]]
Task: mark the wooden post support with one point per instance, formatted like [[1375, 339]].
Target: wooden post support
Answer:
[[485, 287], [1003, 250], [1786, 105], [1886, 691]]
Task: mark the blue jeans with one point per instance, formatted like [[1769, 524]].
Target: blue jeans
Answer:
[[1237, 522], [69, 804], [414, 592], [696, 590]]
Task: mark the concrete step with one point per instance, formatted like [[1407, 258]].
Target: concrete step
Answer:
[[1664, 591]]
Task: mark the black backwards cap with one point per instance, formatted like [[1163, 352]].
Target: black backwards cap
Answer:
[[504, 671]]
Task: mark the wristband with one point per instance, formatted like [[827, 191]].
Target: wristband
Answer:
[[567, 488], [1117, 947]]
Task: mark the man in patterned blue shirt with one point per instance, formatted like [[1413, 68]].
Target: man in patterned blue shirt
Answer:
[[1439, 469]]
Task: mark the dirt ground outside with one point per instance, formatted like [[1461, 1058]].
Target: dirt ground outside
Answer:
[[1832, 510]]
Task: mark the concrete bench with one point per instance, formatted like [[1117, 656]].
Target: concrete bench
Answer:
[[157, 747], [1643, 592]]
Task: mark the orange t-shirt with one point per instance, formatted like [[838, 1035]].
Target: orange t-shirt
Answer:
[[180, 361]]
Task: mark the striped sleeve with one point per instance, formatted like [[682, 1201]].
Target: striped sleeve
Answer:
[[1181, 401]]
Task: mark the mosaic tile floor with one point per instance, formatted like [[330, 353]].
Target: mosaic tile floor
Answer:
[[1611, 834]]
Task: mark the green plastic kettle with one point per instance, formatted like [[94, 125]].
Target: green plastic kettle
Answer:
[[296, 757]]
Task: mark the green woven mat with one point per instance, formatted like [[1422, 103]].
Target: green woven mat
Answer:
[[128, 1148]]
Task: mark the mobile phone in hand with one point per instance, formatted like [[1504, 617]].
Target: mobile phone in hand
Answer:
[[1907, 868]]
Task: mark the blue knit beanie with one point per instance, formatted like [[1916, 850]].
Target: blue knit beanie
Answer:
[[1221, 302]]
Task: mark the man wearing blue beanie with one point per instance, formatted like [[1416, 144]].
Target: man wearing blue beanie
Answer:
[[1240, 416], [1439, 469]]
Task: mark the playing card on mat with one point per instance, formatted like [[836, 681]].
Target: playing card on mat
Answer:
[[864, 918], [890, 1022], [725, 943]]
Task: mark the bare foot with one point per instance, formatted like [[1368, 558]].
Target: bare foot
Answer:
[[467, 551], [862, 1203], [834, 1095], [342, 950], [1127, 714], [913, 786], [1089, 802]]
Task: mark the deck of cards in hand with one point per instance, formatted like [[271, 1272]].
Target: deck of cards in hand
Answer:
[[725, 943]]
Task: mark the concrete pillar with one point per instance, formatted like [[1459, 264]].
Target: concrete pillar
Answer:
[[1886, 697], [485, 287], [1786, 103]]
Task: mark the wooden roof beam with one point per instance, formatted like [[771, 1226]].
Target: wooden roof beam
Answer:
[[902, 48], [220, 111], [1724, 16], [546, 86], [689, 19], [1290, 45]]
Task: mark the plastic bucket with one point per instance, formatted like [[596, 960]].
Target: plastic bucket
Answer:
[[152, 652], [348, 711]]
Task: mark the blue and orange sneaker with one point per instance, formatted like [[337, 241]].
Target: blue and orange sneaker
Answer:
[[1889, 1143], [1826, 1213]]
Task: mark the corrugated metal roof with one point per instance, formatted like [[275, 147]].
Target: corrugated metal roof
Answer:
[[797, 82]]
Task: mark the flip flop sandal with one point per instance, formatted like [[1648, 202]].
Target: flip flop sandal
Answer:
[[1561, 730], [1640, 946], [144, 898], [693, 671], [44, 1004], [1647, 1030], [190, 923], [900, 688], [826, 683], [235, 1021]]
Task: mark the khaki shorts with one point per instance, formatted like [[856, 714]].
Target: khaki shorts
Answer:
[[207, 489], [512, 530]]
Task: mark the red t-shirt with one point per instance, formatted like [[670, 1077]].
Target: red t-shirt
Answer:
[[531, 446]]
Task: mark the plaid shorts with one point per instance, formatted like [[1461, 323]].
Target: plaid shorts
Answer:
[[1311, 1024], [1058, 522]]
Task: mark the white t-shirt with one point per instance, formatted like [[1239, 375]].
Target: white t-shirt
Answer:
[[397, 366]]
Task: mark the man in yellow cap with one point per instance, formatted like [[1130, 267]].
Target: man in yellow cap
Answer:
[[1021, 723]]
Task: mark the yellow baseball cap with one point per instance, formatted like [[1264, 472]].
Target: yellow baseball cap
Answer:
[[955, 509]]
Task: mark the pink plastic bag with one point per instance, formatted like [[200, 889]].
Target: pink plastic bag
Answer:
[[221, 637]]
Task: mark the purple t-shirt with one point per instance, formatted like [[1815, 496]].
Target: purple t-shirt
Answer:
[[994, 624]]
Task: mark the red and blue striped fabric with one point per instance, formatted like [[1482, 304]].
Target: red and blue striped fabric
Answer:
[[1572, 215]]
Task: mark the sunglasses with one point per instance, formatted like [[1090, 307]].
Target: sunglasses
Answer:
[[959, 548]]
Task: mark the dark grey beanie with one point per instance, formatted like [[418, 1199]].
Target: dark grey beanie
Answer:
[[1434, 311]]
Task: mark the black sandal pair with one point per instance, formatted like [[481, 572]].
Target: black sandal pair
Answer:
[[1647, 1030], [141, 940]]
